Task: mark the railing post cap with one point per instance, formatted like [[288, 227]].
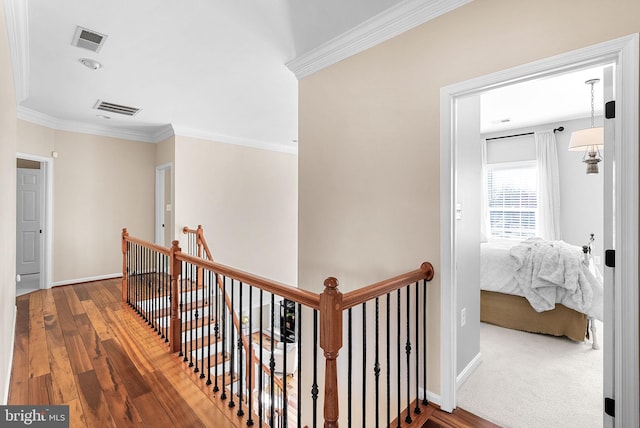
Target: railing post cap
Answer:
[[427, 268], [124, 231], [331, 282]]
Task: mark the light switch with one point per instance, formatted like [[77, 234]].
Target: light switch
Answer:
[[458, 211], [168, 207]]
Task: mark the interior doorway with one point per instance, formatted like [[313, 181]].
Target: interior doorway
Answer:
[[33, 222], [164, 205], [623, 302]]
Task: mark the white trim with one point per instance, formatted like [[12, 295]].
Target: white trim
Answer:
[[87, 279], [471, 367], [17, 18], [47, 163], [432, 397], [624, 51], [626, 341], [227, 139], [393, 21], [5, 390], [43, 119]]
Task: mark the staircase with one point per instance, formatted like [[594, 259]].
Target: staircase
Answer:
[[242, 336]]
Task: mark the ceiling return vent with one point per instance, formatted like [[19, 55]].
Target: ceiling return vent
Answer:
[[116, 108], [88, 39]]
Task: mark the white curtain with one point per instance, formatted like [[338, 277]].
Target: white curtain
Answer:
[[548, 221], [485, 230]]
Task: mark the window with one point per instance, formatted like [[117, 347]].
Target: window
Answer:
[[512, 199]]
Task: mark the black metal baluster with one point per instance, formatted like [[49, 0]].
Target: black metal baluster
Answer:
[[181, 317], [376, 365], [250, 359], [388, 360], [398, 355], [314, 387], [209, 320], [272, 362], [216, 333], [193, 313], [240, 337], [224, 336], [407, 349], [147, 297], [232, 342], [364, 365], [260, 370], [349, 367], [300, 365], [285, 336], [202, 323], [424, 341], [417, 410]]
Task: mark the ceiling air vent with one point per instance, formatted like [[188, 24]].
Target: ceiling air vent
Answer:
[[116, 108], [88, 39]]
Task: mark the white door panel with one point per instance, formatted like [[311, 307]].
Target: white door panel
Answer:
[[28, 221]]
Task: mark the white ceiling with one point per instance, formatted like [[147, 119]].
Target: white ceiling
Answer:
[[540, 101], [213, 69]]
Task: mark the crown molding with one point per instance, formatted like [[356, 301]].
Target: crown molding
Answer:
[[154, 136], [17, 19], [38, 118], [226, 139], [384, 26]]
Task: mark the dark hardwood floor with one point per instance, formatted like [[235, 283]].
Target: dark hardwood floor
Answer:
[[80, 345]]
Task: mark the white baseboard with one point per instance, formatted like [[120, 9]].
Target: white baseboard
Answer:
[[5, 390], [87, 279], [432, 397], [471, 367]]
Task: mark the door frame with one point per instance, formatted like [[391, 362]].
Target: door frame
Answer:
[[624, 52], [161, 170], [46, 248]]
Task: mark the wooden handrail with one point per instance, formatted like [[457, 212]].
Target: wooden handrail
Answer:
[[200, 240], [159, 248], [330, 304], [297, 295], [361, 295]]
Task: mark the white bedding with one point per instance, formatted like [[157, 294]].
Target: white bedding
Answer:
[[545, 272]]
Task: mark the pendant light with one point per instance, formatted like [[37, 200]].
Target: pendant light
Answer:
[[591, 140]]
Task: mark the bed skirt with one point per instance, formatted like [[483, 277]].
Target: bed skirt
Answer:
[[515, 312]]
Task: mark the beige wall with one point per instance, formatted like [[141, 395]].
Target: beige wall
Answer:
[[8, 210], [100, 185], [369, 134], [246, 201]]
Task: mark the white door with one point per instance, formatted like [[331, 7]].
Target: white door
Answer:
[[28, 217]]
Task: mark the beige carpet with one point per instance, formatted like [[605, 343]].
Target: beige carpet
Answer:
[[530, 381]]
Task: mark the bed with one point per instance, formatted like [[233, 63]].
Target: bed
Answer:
[[539, 286]]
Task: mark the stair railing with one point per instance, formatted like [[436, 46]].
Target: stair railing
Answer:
[[196, 292]]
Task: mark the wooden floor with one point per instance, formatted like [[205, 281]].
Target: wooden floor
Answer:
[[80, 345]]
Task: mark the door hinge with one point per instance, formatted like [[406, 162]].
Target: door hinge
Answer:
[[610, 406], [610, 258], [610, 110]]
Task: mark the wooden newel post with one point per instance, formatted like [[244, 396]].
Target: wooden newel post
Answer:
[[125, 274], [331, 342], [199, 235], [175, 325]]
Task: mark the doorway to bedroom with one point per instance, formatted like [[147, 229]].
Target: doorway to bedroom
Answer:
[[535, 365], [461, 156]]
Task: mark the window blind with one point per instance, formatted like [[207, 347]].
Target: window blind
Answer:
[[512, 200]]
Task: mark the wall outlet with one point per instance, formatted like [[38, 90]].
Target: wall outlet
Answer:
[[463, 317]]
